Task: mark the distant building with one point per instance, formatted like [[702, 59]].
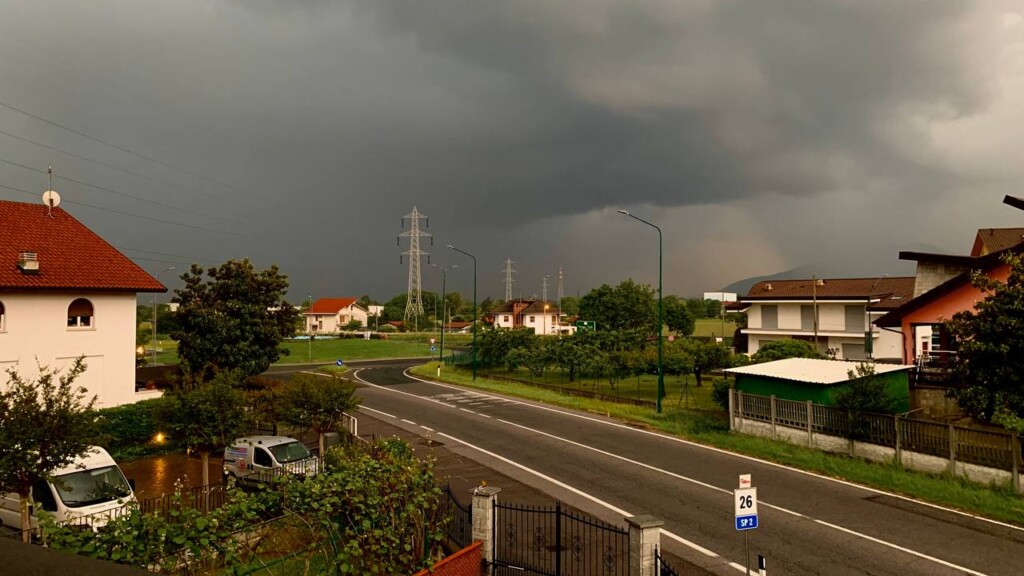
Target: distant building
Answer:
[[832, 314], [542, 317], [330, 315], [721, 296]]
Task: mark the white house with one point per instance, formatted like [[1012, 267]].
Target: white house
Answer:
[[834, 314], [66, 293], [542, 317], [330, 315]]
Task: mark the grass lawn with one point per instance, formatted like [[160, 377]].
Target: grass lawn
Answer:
[[707, 327], [330, 349], [644, 387], [711, 428]]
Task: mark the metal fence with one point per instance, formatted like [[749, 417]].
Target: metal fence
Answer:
[[554, 541], [661, 566], [991, 448], [458, 525]]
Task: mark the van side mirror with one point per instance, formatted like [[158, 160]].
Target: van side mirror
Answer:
[[131, 484]]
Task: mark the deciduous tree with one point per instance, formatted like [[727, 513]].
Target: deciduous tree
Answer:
[[45, 424], [233, 320], [628, 306], [990, 341], [677, 316], [788, 348], [318, 402]]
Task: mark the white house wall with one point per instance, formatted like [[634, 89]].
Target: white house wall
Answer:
[[831, 318], [36, 333]]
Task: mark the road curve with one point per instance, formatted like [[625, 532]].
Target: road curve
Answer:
[[809, 524]]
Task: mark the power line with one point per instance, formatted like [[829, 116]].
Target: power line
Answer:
[[116, 192], [104, 164], [122, 149], [130, 215], [192, 258]]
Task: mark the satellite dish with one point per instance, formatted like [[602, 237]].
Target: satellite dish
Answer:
[[51, 198]]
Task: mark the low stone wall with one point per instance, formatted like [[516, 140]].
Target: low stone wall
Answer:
[[933, 403], [466, 562], [912, 460]]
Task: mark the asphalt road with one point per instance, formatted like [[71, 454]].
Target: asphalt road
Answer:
[[809, 524]]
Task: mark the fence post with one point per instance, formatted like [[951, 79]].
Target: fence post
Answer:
[[899, 439], [810, 422], [1015, 449], [952, 449], [732, 408], [773, 413], [644, 537], [739, 408], [484, 498]]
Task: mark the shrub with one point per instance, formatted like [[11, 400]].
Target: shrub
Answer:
[[720, 392], [128, 430]]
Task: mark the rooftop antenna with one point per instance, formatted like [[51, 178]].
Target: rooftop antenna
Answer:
[[414, 297], [508, 271], [50, 197]]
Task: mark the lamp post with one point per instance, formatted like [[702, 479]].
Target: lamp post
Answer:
[[546, 319], [444, 285], [311, 317], [157, 278], [661, 370], [474, 304]]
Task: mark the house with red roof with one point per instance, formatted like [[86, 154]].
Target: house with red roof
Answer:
[[66, 293], [944, 288], [833, 314], [330, 315], [541, 317]]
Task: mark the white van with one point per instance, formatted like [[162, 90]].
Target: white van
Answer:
[[92, 489], [256, 459]]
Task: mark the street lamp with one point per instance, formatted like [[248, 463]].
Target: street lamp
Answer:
[[546, 319], [157, 278], [661, 370], [444, 303], [310, 331], [474, 304]]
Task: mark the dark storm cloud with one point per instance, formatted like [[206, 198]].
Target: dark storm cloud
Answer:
[[519, 125]]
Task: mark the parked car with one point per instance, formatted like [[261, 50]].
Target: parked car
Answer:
[[258, 459], [92, 490]]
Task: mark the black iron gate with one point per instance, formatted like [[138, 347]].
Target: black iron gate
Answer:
[[547, 541]]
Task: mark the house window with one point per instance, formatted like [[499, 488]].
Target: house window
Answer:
[[533, 319], [770, 317], [3, 317], [506, 319], [807, 318], [80, 314], [855, 319]]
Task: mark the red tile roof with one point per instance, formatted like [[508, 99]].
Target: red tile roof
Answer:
[[991, 240], [892, 292], [331, 305], [71, 257]]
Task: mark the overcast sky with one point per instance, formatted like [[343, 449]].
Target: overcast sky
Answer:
[[759, 135]]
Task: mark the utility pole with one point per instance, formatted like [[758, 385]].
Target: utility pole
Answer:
[[414, 294], [814, 300], [560, 277], [544, 288]]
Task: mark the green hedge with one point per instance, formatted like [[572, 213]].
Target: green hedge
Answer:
[[128, 430]]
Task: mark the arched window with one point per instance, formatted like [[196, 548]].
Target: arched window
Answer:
[[3, 317], [80, 314]]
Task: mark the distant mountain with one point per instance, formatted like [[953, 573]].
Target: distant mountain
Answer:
[[821, 270]]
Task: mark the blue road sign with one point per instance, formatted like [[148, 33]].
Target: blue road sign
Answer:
[[433, 349], [746, 522], [338, 362]]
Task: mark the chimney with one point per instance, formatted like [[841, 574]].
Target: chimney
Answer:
[[820, 282], [28, 262], [768, 287]]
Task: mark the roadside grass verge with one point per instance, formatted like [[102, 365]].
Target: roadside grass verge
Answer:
[[711, 428], [329, 349]]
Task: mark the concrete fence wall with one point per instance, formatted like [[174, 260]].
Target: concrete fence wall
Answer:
[[809, 434]]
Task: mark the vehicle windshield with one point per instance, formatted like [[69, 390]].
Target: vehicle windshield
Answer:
[[290, 452], [87, 487]]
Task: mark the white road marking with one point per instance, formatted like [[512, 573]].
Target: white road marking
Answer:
[[426, 428], [697, 482], [465, 410], [408, 421], [743, 457], [377, 411]]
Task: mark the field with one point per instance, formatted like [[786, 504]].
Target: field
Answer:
[[708, 327], [330, 349]]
